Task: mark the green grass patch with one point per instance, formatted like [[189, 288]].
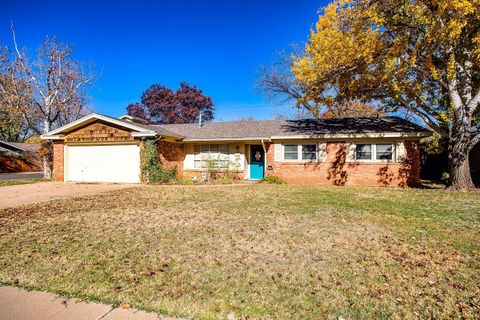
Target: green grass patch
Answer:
[[13, 182]]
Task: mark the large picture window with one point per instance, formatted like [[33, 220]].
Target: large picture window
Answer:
[[374, 151], [211, 156], [296, 152]]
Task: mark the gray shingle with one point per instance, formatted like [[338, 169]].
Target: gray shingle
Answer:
[[268, 128]]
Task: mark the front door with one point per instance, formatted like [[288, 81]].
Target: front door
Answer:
[[257, 161]]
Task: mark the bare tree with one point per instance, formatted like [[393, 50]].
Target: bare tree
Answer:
[[58, 85], [278, 83], [14, 94]]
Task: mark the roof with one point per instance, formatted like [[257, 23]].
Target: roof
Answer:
[[257, 130], [19, 147], [138, 130], [268, 129]]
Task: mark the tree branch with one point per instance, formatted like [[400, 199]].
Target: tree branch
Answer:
[[20, 59], [474, 141], [474, 103]]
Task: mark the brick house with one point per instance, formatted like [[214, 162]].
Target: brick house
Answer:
[[19, 157], [354, 151]]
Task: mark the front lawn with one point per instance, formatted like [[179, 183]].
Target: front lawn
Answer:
[[255, 251], [13, 182]]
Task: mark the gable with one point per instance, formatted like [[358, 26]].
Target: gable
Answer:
[[99, 131]]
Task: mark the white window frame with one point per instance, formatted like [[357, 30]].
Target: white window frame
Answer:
[[205, 156], [299, 152], [374, 152]]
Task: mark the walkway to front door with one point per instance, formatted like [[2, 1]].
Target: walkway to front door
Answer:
[[257, 161]]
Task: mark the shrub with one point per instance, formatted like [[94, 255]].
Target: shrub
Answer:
[[272, 180], [152, 171]]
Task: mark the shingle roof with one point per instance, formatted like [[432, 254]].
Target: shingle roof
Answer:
[[17, 146], [278, 128]]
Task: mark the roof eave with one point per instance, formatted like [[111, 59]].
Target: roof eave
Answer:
[[356, 135], [57, 133]]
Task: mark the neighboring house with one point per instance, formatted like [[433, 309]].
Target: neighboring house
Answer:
[[19, 157], [354, 151]]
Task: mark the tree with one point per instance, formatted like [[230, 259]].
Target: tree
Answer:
[[58, 88], [160, 104], [13, 95], [416, 55], [278, 82], [351, 109]]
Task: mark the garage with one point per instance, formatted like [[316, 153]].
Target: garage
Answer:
[[117, 163]]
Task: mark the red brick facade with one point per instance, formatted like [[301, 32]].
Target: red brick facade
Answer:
[[27, 162], [171, 154], [336, 170], [58, 158]]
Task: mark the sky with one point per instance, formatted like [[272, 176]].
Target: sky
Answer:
[[218, 46]]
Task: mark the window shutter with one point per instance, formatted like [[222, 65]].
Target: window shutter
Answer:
[[322, 152], [350, 151], [400, 151], [277, 152]]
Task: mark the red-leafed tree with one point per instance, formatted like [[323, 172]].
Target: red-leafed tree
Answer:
[[160, 104]]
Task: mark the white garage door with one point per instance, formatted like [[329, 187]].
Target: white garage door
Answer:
[[113, 163]]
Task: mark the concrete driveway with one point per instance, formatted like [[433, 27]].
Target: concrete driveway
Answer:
[[43, 191]]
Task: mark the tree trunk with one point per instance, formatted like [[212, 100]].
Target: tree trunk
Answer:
[[47, 156], [458, 154]]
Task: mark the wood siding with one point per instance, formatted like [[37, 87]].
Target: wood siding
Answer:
[[99, 132]]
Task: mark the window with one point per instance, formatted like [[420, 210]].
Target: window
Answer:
[[297, 152], [379, 151], [363, 152], [211, 155], [384, 152], [290, 152], [309, 152]]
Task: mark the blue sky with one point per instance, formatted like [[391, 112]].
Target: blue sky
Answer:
[[217, 45]]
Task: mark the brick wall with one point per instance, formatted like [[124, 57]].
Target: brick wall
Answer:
[[336, 170], [171, 154], [58, 158]]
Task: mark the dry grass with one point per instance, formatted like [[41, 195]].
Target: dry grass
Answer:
[[259, 251]]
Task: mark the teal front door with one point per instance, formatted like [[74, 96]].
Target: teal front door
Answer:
[[257, 161]]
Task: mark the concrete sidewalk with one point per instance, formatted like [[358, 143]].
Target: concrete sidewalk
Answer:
[[19, 304]]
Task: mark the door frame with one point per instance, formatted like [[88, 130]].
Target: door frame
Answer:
[[250, 161]]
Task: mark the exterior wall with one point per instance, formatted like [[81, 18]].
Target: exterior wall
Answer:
[[337, 169], [58, 161], [171, 154], [26, 162], [236, 155], [98, 131]]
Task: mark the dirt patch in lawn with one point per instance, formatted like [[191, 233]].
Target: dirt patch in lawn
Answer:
[[255, 251]]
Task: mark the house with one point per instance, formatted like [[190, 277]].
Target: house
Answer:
[[353, 151], [19, 157]]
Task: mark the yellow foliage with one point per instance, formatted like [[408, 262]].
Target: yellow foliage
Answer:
[[399, 47]]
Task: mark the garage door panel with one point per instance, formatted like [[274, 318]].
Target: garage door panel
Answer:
[[107, 163]]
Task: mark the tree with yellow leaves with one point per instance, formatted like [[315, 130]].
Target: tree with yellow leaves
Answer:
[[417, 55]]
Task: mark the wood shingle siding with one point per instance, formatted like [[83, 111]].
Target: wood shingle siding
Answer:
[[99, 132]]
